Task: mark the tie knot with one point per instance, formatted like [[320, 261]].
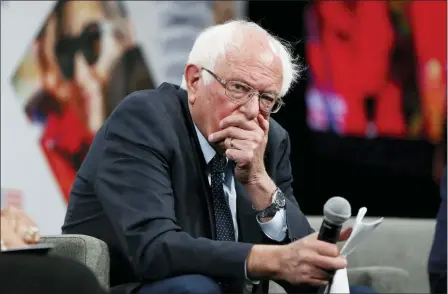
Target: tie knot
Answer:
[[218, 163]]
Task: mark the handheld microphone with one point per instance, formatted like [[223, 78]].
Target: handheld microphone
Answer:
[[337, 211]]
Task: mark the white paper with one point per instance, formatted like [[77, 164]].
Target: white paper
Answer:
[[360, 232], [340, 283]]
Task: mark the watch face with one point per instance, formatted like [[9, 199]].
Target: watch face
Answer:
[[280, 199], [278, 203]]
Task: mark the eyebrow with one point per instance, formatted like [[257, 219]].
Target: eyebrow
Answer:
[[261, 92]]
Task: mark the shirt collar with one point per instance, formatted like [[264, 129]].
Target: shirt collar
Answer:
[[207, 150], [209, 153]]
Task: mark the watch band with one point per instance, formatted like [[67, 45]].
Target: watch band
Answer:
[[278, 202]]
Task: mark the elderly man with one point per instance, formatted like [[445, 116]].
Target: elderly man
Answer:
[[191, 186]]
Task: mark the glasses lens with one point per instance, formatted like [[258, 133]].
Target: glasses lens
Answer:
[[238, 91], [277, 105], [269, 102]]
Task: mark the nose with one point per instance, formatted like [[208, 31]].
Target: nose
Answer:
[[251, 108]]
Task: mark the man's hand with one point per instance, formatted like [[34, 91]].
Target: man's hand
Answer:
[[305, 261], [345, 234], [244, 142]]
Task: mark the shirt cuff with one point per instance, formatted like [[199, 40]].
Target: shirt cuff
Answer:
[[276, 228], [245, 274]]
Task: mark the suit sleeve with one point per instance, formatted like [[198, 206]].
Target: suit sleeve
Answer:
[[298, 225], [133, 185]]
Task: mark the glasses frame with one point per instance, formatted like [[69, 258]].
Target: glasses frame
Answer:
[[249, 95]]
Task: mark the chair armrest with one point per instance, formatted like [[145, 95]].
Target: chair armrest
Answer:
[[382, 279], [87, 250]]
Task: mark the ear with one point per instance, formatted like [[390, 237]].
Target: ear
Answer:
[[192, 77]]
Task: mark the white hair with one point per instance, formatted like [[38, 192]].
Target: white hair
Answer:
[[215, 42]]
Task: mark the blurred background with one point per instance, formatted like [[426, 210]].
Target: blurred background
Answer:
[[367, 120]]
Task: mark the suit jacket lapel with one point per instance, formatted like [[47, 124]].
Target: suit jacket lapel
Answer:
[[199, 159], [248, 227]]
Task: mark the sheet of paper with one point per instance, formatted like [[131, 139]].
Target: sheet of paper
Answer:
[[340, 283], [361, 230]]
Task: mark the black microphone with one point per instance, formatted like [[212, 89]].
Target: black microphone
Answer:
[[337, 211]]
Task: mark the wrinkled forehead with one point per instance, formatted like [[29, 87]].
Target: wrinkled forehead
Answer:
[[264, 59], [256, 61]]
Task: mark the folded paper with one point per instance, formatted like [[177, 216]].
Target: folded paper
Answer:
[[361, 230]]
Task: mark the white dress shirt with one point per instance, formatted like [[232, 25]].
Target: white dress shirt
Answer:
[[275, 229]]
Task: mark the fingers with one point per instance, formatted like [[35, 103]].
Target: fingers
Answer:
[[233, 137], [321, 254], [238, 144], [30, 234], [319, 274], [324, 255], [238, 120], [234, 133], [23, 225], [321, 247], [9, 238], [316, 282], [345, 234], [310, 259], [13, 241], [312, 275], [325, 249], [327, 262], [26, 227], [241, 156], [263, 123], [238, 127]]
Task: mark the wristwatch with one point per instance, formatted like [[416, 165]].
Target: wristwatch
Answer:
[[278, 202]]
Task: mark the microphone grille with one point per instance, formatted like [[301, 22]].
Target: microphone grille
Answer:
[[337, 210]]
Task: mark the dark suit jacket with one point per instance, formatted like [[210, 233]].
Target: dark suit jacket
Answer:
[[143, 190]]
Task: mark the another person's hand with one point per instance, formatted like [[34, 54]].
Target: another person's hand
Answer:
[[9, 238], [309, 261], [17, 229]]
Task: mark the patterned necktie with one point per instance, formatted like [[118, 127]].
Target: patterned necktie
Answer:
[[223, 216]]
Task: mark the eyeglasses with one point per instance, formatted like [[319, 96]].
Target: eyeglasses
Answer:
[[241, 93], [88, 43]]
